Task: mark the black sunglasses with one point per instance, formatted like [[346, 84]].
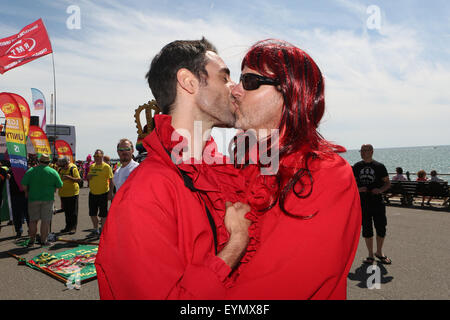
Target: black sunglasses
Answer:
[[251, 81]]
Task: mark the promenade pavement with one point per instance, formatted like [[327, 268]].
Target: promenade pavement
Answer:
[[417, 241]]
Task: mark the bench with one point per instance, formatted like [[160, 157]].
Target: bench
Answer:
[[410, 189]]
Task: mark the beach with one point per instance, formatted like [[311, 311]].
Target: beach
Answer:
[[417, 241]]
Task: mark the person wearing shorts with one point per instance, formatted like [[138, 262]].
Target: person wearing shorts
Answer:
[[372, 179], [69, 193], [101, 186], [40, 184]]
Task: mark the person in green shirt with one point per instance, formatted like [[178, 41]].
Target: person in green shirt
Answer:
[[40, 184]]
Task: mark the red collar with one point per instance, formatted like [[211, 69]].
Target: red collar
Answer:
[[166, 142]]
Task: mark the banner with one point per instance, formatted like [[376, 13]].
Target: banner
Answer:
[[75, 265], [39, 140], [39, 107], [24, 110], [63, 149], [15, 136], [30, 43]]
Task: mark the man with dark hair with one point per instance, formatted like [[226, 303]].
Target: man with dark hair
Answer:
[[190, 55], [372, 179], [161, 219]]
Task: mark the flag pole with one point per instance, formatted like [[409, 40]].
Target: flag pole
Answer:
[[54, 93]]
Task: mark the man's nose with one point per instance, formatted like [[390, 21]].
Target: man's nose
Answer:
[[237, 90]]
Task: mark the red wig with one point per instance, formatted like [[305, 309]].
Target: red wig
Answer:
[[302, 87]]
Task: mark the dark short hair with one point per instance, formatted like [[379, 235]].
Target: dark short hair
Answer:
[[64, 160], [162, 76], [99, 150], [399, 170]]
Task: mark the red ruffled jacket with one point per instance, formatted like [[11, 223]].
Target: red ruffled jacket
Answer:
[[157, 242], [295, 259]]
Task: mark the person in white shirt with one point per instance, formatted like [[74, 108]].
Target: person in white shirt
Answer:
[[434, 177], [399, 176], [125, 151]]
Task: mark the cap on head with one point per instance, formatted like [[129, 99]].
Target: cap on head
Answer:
[[44, 158]]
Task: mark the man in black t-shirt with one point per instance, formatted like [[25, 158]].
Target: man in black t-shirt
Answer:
[[372, 179]]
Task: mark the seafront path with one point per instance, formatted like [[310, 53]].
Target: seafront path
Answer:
[[417, 241]]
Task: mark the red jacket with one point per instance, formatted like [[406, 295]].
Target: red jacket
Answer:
[[157, 242], [291, 258]]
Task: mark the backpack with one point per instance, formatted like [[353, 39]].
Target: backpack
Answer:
[[71, 174]]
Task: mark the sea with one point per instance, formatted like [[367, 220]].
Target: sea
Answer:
[[411, 159]]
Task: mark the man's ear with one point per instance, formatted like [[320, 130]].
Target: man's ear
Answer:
[[187, 80]]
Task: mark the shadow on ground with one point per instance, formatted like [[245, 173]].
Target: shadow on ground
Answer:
[[369, 275]]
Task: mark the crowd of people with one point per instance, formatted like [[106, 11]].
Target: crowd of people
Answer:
[[32, 199], [421, 177]]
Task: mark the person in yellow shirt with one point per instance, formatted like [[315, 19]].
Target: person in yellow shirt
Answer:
[[101, 186], [68, 172]]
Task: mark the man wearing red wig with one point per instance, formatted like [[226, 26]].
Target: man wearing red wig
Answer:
[[306, 215]]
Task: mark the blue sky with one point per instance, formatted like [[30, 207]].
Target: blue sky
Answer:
[[386, 86]]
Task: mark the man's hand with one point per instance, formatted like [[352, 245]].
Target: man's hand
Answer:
[[235, 220], [362, 189], [237, 225]]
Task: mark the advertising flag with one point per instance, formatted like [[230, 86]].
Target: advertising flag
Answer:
[[30, 43], [72, 267], [15, 136], [39, 140], [39, 106], [63, 149], [24, 110]]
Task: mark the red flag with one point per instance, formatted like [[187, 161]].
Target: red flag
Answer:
[[24, 110], [30, 43], [63, 149]]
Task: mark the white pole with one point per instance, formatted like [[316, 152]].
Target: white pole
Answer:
[[54, 91]]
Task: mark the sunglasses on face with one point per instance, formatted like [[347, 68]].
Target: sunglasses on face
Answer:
[[123, 149], [251, 81]]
